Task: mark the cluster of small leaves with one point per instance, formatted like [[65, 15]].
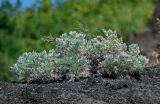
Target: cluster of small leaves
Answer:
[[120, 58], [70, 57], [124, 61], [63, 61], [31, 66]]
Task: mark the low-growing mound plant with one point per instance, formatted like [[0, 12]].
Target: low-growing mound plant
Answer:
[[76, 55]]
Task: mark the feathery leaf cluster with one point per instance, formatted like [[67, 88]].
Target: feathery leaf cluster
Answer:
[[70, 58]]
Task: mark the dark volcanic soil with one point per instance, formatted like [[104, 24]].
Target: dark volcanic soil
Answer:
[[96, 90]]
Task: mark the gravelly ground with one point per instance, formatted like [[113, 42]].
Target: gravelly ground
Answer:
[[95, 90]]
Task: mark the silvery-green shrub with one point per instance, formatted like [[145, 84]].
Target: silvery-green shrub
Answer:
[[32, 65], [64, 60], [118, 58], [69, 58]]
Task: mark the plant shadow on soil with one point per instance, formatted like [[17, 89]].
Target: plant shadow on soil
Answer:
[[93, 90]]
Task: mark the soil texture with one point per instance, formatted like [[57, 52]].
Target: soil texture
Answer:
[[142, 88]]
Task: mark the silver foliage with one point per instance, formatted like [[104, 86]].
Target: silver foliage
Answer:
[[69, 58]]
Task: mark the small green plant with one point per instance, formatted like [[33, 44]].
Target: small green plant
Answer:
[[118, 58], [33, 65], [70, 58]]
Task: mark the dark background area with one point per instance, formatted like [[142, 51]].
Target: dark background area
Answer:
[[23, 27]]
